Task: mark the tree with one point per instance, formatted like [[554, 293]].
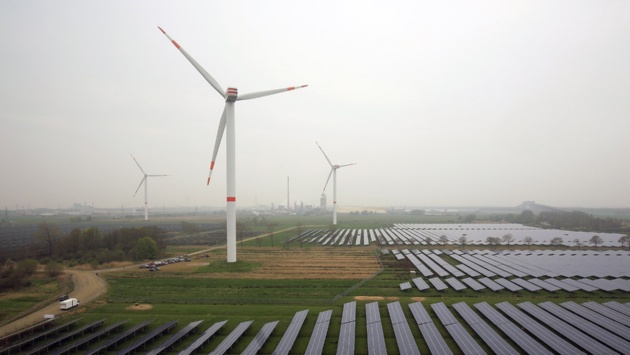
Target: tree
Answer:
[[624, 240], [443, 239], [528, 240], [28, 266], [47, 237], [54, 268], [556, 241], [469, 218], [146, 248], [508, 238], [493, 241], [462, 240], [577, 243], [241, 229], [596, 240]]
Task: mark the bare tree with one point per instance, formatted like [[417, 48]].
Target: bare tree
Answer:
[[493, 241], [596, 240], [624, 240], [462, 240], [528, 240], [556, 241], [577, 242], [508, 238], [443, 239], [47, 236], [270, 227]]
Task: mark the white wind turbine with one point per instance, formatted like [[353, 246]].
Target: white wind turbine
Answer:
[[333, 172], [227, 124], [145, 181]]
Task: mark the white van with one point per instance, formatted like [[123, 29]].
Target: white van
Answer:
[[69, 303]]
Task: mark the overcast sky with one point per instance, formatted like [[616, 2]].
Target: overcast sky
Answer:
[[440, 103]]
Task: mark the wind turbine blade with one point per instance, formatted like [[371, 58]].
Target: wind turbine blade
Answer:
[[199, 68], [217, 143], [327, 180], [134, 159], [157, 175], [341, 166], [141, 182], [326, 156], [254, 95]]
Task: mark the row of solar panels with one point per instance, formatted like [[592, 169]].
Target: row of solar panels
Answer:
[[518, 284], [408, 235], [545, 328], [430, 263]]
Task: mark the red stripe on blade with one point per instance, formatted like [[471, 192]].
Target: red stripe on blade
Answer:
[[231, 199]]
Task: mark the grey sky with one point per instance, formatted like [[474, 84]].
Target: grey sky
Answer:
[[440, 103]]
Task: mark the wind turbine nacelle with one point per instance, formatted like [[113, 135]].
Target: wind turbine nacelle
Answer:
[[231, 94]]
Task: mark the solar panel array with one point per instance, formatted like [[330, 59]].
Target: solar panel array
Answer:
[[543, 328], [345, 344], [405, 340], [432, 234]]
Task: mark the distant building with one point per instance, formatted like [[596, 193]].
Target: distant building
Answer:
[[322, 202]]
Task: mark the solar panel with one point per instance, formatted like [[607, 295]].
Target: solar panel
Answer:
[[491, 284], [67, 336], [429, 331], [586, 326], [455, 284], [597, 319], [489, 336], [563, 285], [286, 343], [580, 285], [544, 284], [538, 330], [345, 343], [75, 346], [172, 340], [349, 312], [318, 337], [568, 331], [405, 286], [148, 337], [111, 342], [508, 284], [520, 337], [445, 316], [203, 338], [438, 284], [474, 284], [260, 338], [372, 314], [404, 338], [619, 307], [376, 339], [421, 284], [468, 271], [466, 343], [229, 341], [608, 312], [419, 313], [526, 284], [375, 336]]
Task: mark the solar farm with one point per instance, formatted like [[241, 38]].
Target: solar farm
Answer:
[[429, 234], [404, 292]]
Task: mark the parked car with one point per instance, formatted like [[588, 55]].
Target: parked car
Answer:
[[63, 298]]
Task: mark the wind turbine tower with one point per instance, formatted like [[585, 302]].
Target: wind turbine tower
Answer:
[[333, 172], [227, 124], [288, 194], [145, 181]]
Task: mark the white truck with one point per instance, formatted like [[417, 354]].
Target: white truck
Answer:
[[69, 303]]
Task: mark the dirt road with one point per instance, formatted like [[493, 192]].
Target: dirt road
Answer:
[[87, 287]]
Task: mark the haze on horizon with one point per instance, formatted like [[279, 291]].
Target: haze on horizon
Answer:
[[485, 103]]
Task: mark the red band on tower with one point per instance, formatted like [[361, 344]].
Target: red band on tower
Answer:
[[231, 199]]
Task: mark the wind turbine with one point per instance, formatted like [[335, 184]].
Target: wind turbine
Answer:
[[227, 124], [145, 181], [333, 172]]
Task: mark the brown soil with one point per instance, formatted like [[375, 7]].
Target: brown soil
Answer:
[[139, 307]]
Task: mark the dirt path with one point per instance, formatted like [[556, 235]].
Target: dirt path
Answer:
[[88, 286]]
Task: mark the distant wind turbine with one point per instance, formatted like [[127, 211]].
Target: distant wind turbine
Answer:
[[145, 181], [227, 124], [333, 172]]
